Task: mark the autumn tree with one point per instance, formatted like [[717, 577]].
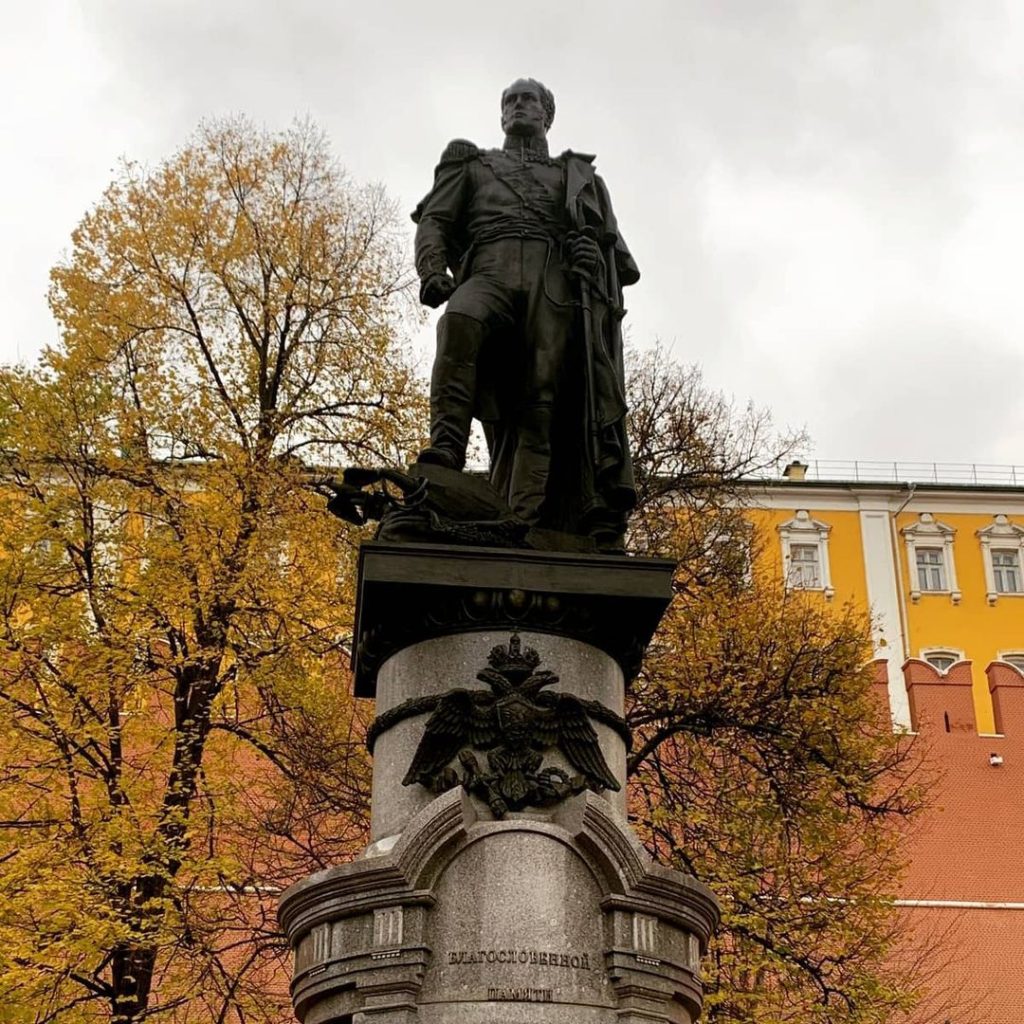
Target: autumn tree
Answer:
[[175, 605], [175, 609], [763, 761]]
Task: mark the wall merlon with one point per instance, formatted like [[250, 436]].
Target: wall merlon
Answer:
[[1006, 685], [940, 702]]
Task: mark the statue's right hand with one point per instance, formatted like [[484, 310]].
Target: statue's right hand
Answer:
[[436, 290]]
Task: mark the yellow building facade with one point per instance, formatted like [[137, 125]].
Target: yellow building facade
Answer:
[[940, 566]]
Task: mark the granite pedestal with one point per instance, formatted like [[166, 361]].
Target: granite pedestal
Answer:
[[547, 912]]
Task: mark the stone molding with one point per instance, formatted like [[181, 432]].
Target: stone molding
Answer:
[[413, 592], [333, 918], [802, 529], [1000, 533]]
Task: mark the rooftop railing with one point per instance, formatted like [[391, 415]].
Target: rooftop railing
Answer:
[[959, 473]]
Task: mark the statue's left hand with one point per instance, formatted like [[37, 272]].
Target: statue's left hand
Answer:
[[436, 290], [584, 254]]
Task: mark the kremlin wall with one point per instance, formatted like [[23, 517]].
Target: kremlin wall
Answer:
[[940, 566]]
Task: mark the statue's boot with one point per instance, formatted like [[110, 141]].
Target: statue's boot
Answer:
[[453, 389], [531, 465]]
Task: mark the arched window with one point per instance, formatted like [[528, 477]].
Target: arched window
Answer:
[[942, 659], [1014, 658]]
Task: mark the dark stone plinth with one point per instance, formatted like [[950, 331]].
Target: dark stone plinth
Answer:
[[408, 593]]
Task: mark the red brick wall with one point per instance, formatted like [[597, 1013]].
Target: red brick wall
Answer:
[[969, 847]]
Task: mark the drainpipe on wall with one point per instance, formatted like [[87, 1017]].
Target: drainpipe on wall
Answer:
[[901, 599]]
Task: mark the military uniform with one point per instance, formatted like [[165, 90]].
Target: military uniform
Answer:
[[509, 343]]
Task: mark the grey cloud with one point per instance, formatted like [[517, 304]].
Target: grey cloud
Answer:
[[811, 189]]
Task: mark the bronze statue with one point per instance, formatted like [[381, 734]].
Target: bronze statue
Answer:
[[524, 249]]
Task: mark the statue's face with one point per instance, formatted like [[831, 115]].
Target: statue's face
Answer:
[[522, 112]]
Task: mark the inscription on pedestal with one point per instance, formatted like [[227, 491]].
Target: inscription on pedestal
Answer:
[[537, 957], [520, 995], [531, 933]]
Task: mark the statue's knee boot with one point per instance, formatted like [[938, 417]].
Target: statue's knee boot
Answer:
[[453, 389], [531, 466]]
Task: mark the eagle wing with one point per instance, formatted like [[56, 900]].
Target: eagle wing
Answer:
[[578, 741], [461, 718]]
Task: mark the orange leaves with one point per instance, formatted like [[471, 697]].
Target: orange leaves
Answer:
[[760, 761], [175, 601]]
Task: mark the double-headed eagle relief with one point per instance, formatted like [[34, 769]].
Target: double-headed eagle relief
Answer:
[[514, 723]]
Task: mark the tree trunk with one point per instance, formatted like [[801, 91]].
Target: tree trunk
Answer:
[[132, 978]]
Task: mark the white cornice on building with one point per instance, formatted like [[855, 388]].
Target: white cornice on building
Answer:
[[839, 496]]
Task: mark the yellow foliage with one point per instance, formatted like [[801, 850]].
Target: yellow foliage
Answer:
[[175, 602], [175, 614], [764, 762]]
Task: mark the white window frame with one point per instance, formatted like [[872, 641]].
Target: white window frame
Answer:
[[1001, 535], [928, 532], [943, 652], [1017, 655], [805, 565], [929, 566], [1006, 572], [802, 529]]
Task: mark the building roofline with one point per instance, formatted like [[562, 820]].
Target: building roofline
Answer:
[[879, 486]]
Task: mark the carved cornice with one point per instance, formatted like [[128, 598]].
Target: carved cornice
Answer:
[[646, 886], [414, 592], [339, 964], [627, 875], [361, 885]]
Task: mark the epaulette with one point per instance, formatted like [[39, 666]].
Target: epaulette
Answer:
[[458, 150], [587, 158]]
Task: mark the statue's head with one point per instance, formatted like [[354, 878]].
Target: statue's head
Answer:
[[527, 108]]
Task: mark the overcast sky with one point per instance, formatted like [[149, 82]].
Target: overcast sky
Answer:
[[826, 198]]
